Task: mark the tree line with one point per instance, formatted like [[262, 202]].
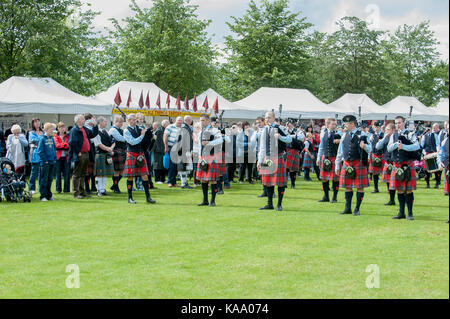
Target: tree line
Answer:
[[268, 46]]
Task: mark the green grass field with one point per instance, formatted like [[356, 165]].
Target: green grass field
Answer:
[[177, 250]]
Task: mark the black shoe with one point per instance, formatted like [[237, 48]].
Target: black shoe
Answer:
[[212, 204], [279, 208], [267, 207], [436, 186], [390, 203], [428, 186], [356, 213], [153, 187], [105, 194], [220, 193], [410, 217], [112, 187], [251, 182], [345, 212], [186, 186], [131, 201], [292, 186], [333, 201], [151, 201], [117, 191], [203, 204], [375, 191], [262, 195], [399, 217], [324, 200]]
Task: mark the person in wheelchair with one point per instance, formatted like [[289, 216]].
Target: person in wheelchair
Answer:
[[11, 185]]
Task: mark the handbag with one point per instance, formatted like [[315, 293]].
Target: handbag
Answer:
[[166, 161], [140, 161], [327, 165], [350, 172], [109, 159]]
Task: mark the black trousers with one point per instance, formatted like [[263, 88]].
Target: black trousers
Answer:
[[246, 166]]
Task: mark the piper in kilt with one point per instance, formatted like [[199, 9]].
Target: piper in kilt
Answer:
[[329, 143], [376, 156], [103, 157], [209, 166], [136, 163], [443, 162], [120, 152], [403, 144], [271, 163], [389, 160], [430, 144], [293, 155], [308, 156], [354, 149]]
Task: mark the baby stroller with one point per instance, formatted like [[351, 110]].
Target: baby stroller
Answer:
[[11, 191], [419, 166]]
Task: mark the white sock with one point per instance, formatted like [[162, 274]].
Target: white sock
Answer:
[[183, 178], [98, 183]]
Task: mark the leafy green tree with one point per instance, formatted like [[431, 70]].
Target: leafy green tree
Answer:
[[51, 38], [166, 44], [267, 48], [415, 62]]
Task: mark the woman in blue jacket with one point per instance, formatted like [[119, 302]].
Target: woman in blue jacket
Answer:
[[34, 135]]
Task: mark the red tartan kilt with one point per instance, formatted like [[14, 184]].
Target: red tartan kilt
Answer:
[[385, 176], [361, 180], [119, 158], [130, 169], [293, 160], [446, 185], [376, 170], [214, 170], [404, 186], [272, 176], [307, 161], [331, 175]]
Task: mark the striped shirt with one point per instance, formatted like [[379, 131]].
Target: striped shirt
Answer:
[[172, 131]]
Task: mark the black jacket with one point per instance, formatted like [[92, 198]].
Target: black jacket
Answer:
[[159, 143], [76, 141]]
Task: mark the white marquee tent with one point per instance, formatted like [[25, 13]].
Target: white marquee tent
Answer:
[[45, 96], [295, 102], [137, 88], [401, 106], [22, 99], [442, 108], [350, 103]]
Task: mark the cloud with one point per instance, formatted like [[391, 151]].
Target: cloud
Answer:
[[378, 17]]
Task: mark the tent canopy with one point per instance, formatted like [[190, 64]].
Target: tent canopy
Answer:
[[401, 106], [350, 103], [442, 108], [295, 102], [137, 88], [45, 96]]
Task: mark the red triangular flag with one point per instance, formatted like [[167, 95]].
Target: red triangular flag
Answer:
[[168, 100], [147, 100], [118, 99], [186, 103], [194, 103], [216, 106], [129, 99], [158, 101], [205, 103], [178, 102], [141, 100]]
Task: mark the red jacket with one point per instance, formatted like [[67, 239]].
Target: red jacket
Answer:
[[61, 145]]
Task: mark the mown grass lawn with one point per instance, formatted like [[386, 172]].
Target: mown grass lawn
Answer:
[[176, 250]]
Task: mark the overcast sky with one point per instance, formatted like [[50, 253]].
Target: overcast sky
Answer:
[[381, 14]]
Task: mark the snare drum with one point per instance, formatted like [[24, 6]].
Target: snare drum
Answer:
[[431, 163]]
